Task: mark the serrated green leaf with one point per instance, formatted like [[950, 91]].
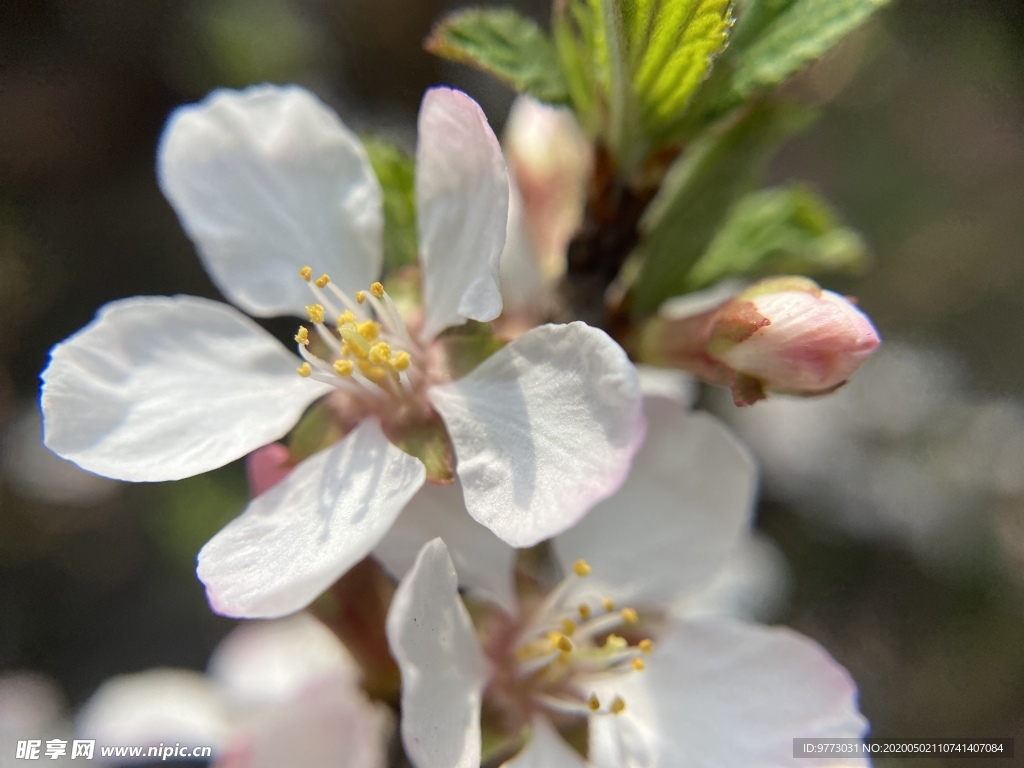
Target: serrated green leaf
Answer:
[[632, 66], [803, 32], [674, 44], [753, 17], [395, 169], [505, 44], [786, 230], [698, 191], [772, 41]]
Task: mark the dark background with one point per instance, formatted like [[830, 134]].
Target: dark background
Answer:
[[921, 147]]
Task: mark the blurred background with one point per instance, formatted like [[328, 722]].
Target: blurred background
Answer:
[[892, 513]]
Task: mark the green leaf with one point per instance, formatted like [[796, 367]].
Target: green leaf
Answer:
[[782, 37], [804, 32], [632, 65], [395, 169], [698, 191], [505, 44], [673, 45], [787, 230]]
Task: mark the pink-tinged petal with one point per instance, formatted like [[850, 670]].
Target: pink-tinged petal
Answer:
[[732, 695], [159, 706], [483, 561], [262, 662], [266, 181], [545, 749], [329, 724], [266, 467], [443, 668], [680, 513], [161, 388], [294, 541], [462, 211], [543, 430]]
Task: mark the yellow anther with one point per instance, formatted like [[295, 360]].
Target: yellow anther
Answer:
[[584, 611], [564, 644], [380, 353], [581, 568], [377, 290], [315, 312], [629, 616], [307, 273], [618, 706], [615, 643], [374, 373], [608, 604], [401, 360], [568, 627], [369, 330], [304, 370], [323, 280], [302, 337], [346, 317], [639, 665], [593, 703], [646, 646], [360, 297], [344, 367]]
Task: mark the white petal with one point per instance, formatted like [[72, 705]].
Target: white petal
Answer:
[[330, 724], [298, 538], [668, 382], [159, 706], [755, 584], [731, 695], [462, 211], [545, 749], [268, 661], [483, 561], [681, 512], [543, 430], [266, 181], [443, 669], [160, 388]]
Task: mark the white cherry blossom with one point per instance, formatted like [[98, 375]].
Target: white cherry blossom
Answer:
[[614, 644], [276, 693], [269, 184]]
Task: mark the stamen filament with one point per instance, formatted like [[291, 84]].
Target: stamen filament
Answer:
[[350, 304], [600, 624], [564, 706]]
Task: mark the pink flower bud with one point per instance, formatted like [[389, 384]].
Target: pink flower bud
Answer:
[[788, 335], [549, 161]]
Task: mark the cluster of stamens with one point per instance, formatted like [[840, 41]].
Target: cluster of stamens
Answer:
[[565, 649], [363, 348]]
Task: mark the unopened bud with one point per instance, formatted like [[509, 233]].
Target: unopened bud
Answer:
[[784, 335], [788, 335]]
